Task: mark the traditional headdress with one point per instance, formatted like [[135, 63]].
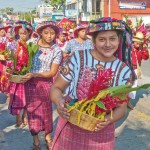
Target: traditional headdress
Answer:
[[50, 24], [24, 25], [140, 34], [125, 46], [78, 28]]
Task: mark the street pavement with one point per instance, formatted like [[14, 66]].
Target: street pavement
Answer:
[[132, 132]]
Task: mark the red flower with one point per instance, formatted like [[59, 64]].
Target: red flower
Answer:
[[102, 81]]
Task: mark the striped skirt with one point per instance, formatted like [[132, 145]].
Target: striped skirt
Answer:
[[71, 137], [39, 105], [17, 98]]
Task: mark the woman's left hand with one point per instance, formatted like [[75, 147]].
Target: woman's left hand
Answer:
[[103, 124], [26, 77]]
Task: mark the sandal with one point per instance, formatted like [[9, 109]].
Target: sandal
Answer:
[[49, 144], [36, 147]]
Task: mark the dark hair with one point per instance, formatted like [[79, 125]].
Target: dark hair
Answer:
[[119, 34]]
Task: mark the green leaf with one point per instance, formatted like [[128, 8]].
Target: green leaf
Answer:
[[129, 89], [100, 104], [122, 96]]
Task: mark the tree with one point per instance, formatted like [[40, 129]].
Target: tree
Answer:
[[7, 10], [57, 4]]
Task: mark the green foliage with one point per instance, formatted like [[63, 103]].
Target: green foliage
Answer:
[[7, 10], [26, 16], [55, 3]]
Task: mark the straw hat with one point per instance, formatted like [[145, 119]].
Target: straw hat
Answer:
[[138, 37], [24, 25], [46, 24]]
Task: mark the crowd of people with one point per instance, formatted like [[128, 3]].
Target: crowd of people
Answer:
[[59, 62]]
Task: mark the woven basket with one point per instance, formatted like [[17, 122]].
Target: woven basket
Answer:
[[86, 122], [2, 57], [15, 78]]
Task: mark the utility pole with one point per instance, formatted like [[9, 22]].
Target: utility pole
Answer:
[[95, 8], [77, 21], [109, 13]]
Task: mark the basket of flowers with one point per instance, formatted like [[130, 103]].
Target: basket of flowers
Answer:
[[99, 100], [19, 62]]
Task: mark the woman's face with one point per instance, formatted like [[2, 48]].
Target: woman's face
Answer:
[[48, 35], [23, 34], [82, 33], [106, 43], [62, 37], [10, 34], [2, 33]]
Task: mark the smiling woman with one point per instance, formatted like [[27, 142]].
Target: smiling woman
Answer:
[[82, 68]]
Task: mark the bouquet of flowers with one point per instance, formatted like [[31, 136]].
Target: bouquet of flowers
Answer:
[[20, 61], [97, 98]]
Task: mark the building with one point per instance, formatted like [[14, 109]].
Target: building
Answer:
[[44, 10], [132, 8], [84, 9]]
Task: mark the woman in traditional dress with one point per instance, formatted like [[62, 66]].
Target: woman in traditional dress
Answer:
[[45, 66], [80, 41], [17, 90], [112, 48]]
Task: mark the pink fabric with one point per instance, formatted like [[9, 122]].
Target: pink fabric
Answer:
[[2, 66], [17, 98], [39, 105], [70, 137]]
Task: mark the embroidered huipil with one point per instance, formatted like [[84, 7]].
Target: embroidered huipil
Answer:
[[45, 57], [74, 45]]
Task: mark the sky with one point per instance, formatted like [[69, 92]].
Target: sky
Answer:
[[19, 5]]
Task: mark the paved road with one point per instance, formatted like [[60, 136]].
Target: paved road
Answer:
[[132, 132]]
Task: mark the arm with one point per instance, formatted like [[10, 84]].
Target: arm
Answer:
[[56, 95], [49, 74], [144, 52]]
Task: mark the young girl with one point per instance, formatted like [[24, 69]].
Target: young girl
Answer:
[[17, 90], [109, 37], [45, 66], [61, 40]]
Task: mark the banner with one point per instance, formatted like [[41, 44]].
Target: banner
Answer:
[[132, 5]]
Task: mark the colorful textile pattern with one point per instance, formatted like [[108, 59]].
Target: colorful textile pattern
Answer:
[[106, 23], [62, 45], [75, 138], [11, 45], [121, 70], [74, 45], [17, 98], [39, 105], [45, 57], [125, 48], [70, 136]]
